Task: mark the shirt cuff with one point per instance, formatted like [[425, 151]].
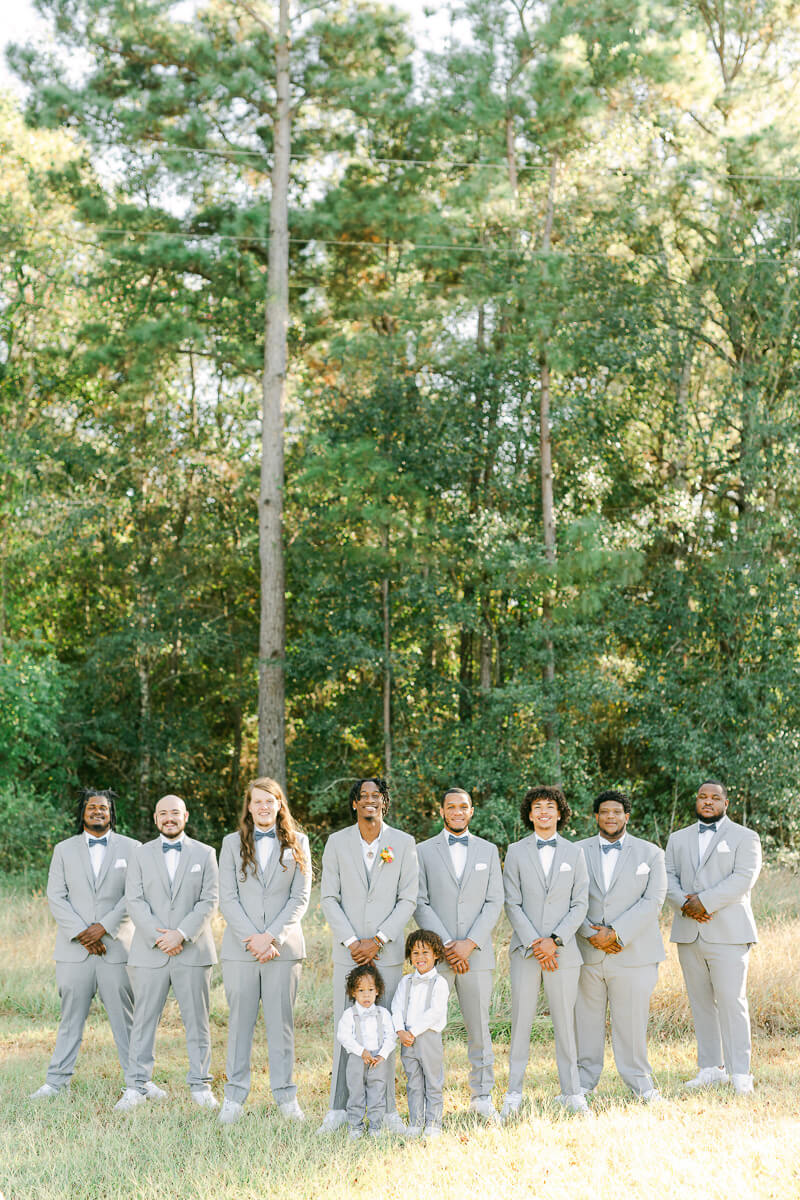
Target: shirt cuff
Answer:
[[382, 936], [350, 941], [180, 931]]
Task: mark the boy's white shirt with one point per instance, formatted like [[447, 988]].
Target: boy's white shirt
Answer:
[[346, 1031], [421, 1018]]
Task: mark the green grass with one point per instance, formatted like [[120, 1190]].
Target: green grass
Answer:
[[709, 1145]]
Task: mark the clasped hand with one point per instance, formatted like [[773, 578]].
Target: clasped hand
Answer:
[[457, 954], [171, 941], [605, 939], [693, 907], [262, 947], [545, 952], [91, 938], [371, 1060]]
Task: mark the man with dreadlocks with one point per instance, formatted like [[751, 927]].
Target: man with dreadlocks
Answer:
[[86, 894]]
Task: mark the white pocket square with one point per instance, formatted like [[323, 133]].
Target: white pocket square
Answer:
[[121, 862], [642, 869], [723, 847], [565, 867], [481, 866], [196, 867]]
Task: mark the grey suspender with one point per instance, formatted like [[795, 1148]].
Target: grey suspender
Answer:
[[357, 1018]]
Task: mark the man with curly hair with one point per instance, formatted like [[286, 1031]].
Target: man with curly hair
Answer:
[[368, 894], [547, 897]]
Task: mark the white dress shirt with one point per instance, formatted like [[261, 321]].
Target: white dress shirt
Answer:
[[458, 853], [546, 855], [371, 1030], [427, 1007], [609, 860], [96, 853], [265, 848], [171, 858], [704, 838]]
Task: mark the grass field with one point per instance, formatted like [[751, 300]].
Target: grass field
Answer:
[[709, 1145]]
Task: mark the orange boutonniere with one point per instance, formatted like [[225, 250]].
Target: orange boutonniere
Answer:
[[387, 854]]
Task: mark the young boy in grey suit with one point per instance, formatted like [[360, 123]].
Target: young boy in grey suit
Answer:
[[86, 894], [366, 1036], [621, 944], [419, 1012]]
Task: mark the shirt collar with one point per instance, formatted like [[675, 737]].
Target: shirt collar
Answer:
[[95, 836], [607, 841], [446, 834], [373, 844], [428, 974], [172, 841]]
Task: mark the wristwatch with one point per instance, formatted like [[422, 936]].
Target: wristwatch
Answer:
[[558, 941]]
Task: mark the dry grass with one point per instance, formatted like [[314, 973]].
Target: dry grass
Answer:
[[710, 1145]]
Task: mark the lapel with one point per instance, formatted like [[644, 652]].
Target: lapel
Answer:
[[469, 865], [86, 862], [594, 855], [443, 851], [161, 866], [109, 857], [183, 864], [533, 855], [357, 857], [558, 858], [384, 839], [272, 865], [623, 864], [713, 841]]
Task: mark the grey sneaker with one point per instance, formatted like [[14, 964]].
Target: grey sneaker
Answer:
[[205, 1098], [129, 1100], [334, 1119], [290, 1110], [45, 1092], [152, 1092], [230, 1112]]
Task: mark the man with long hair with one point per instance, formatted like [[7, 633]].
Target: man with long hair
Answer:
[[369, 891], [264, 888]]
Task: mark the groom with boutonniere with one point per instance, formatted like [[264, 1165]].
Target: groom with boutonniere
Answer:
[[369, 891]]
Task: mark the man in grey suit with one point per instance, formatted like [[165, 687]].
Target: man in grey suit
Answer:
[[461, 898], [172, 892], [711, 868], [86, 894], [547, 895], [621, 944], [369, 891]]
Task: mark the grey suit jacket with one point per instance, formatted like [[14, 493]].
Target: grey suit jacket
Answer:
[[723, 880], [631, 905], [190, 903], [76, 900], [537, 907], [357, 903], [465, 908], [275, 900]]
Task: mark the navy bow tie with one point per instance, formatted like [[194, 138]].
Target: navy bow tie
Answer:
[[711, 827], [167, 846], [103, 841], [264, 833], [607, 846], [452, 840], [549, 842]]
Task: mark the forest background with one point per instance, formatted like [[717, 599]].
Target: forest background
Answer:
[[556, 244]]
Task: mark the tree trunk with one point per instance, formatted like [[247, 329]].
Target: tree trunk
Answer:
[[272, 634], [387, 668], [548, 508]]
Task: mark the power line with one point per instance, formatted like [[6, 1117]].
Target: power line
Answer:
[[400, 244]]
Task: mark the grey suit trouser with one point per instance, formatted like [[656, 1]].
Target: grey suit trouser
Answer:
[[274, 986], [391, 976], [77, 984], [151, 985], [474, 991], [561, 990], [715, 974], [626, 991], [367, 1089], [423, 1063]]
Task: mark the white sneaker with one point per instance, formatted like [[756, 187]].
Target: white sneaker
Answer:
[[413, 1131], [205, 1098], [151, 1092], [708, 1077], [482, 1107], [510, 1105], [230, 1112], [653, 1096], [742, 1084], [130, 1099], [355, 1135], [45, 1092], [290, 1110], [394, 1123], [575, 1104], [334, 1119], [432, 1132]]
